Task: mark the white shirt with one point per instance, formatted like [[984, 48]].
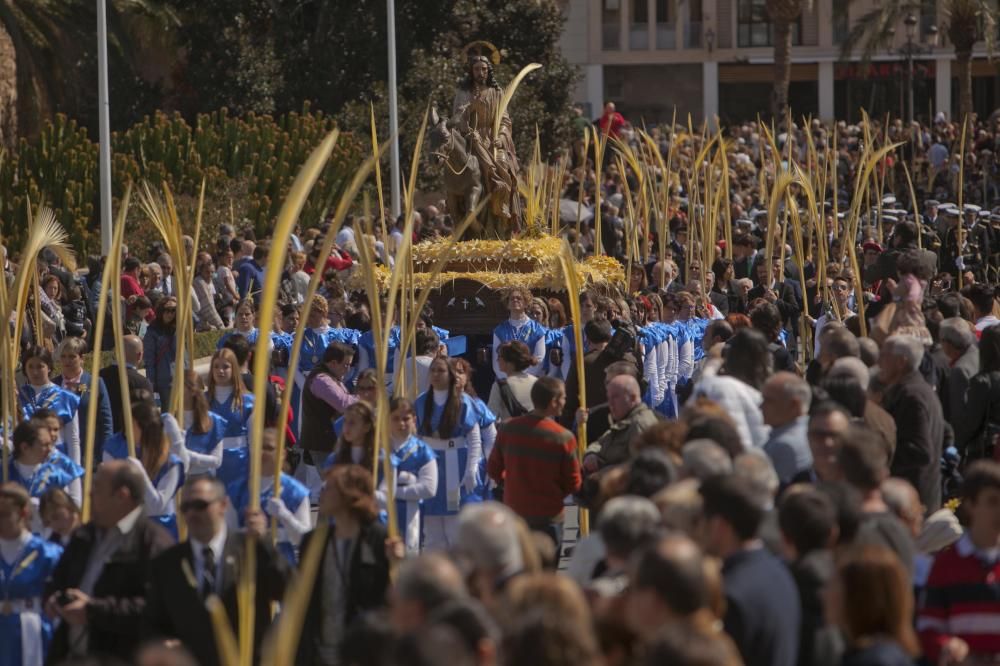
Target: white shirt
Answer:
[[11, 548], [217, 544]]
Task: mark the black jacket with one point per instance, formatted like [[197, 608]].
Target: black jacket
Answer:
[[820, 643], [367, 581], [119, 597], [175, 609], [920, 427], [136, 381]]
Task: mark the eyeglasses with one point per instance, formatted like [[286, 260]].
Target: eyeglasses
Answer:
[[841, 287], [195, 505]]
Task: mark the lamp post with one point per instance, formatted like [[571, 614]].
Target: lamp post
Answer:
[[390, 10], [914, 47], [104, 127]]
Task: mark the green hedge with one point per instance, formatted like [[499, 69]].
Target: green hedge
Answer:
[[204, 345], [248, 163]]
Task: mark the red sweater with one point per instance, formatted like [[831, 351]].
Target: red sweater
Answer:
[[961, 599], [536, 458]]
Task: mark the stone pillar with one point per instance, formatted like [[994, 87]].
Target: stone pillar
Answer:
[[710, 90], [942, 85], [825, 90], [593, 76]]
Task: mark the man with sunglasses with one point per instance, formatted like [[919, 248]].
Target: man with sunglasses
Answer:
[[208, 564]]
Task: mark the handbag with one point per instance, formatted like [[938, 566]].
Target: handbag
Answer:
[[514, 408]]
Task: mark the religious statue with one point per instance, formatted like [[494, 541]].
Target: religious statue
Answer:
[[477, 162]]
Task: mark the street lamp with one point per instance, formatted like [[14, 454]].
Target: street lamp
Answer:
[[914, 47]]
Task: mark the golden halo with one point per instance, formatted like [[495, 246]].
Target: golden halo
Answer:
[[482, 48]]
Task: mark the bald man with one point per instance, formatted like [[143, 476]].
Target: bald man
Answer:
[[629, 418], [785, 403], [136, 381]]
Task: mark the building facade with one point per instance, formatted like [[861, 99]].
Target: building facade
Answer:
[[711, 58]]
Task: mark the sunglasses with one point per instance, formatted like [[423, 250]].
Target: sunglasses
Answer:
[[195, 505]]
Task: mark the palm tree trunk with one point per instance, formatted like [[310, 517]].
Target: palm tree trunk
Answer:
[[963, 68], [782, 67], [8, 91]]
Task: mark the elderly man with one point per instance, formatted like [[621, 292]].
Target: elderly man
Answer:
[[99, 586], [914, 406], [827, 422], [629, 417], [958, 343], [874, 416], [786, 400]]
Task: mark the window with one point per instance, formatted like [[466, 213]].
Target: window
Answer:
[[610, 21], [692, 35], [754, 25], [841, 24], [639, 30], [928, 17], [666, 36]]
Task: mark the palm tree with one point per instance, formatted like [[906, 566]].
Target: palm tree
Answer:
[[967, 22], [783, 14], [42, 44]]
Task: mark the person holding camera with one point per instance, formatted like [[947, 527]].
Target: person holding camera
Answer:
[[99, 586]]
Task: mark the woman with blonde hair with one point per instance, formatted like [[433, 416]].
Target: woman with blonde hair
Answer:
[[229, 398], [204, 429]]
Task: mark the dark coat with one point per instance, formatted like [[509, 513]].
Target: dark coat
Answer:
[[136, 381], [119, 598], [982, 407], [819, 642], [920, 427], [175, 608], [105, 421], [367, 582], [594, 365], [788, 302], [763, 612]]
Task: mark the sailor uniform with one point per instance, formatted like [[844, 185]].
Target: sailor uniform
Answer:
[[57, 471], [414, 458], [204, 448], [488, 435], [458, 457], [525, 330], [25, 631], [295, 518], [250, 335], [234, 440], [65, 404], [162, 490]]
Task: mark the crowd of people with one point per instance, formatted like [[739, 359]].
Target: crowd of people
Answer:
[[776, 471]]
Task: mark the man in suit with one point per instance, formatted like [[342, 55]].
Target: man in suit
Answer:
[[99, 586], [76, 380], [209, 563], [916, 409], [136, 381], [958, 344], [782, 293]]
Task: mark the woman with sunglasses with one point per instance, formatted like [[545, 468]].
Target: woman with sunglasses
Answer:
[[160, 455], [39, 392], [26, 565], [291, 509], [204, 429], [416, 473], [160, 349], [447, 420], [229, 398]]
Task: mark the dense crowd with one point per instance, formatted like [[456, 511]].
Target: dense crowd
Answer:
[[776, 471]]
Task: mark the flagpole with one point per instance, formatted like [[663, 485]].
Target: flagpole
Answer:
[[104, 106], [390, 10]]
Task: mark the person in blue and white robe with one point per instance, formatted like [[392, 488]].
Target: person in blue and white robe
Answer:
[[37, 465], [522, 328], [315, 340], [204, 430], [229, 399], [415, 470], [448, 421], [161, 457], [26, 564], [40, 393], [487, 424], [291, 508], [246, 315]]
